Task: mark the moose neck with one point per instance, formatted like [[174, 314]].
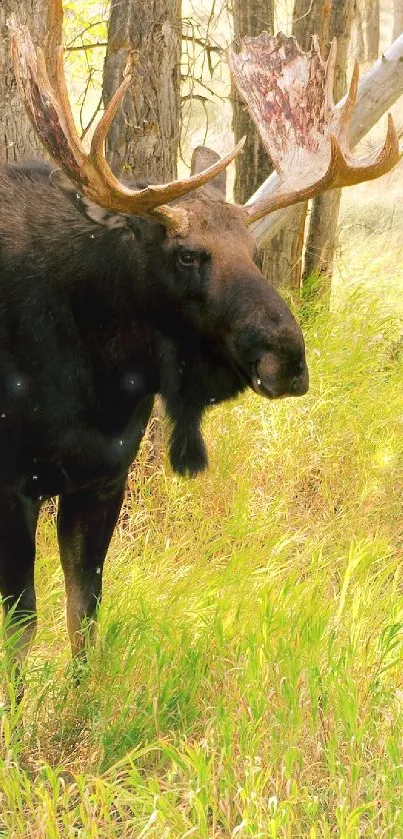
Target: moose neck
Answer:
[[117, 302]]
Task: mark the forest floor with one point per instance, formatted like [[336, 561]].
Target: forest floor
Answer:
[[248, 677]]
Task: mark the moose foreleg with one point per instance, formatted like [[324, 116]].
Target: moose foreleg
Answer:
[[85, 523], [18, 518]]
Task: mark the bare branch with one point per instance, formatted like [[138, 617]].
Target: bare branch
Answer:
[[85, 47]]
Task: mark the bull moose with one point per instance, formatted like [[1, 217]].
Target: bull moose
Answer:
[[111, 295]]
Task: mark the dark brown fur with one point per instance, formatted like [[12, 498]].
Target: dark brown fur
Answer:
[[98, 313]]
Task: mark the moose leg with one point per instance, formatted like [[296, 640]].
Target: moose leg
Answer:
[[85, 523], [18, 519]]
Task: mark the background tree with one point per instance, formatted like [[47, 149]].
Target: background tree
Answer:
[[144, 138], [253, 165], [284, 259], [397, 18], [17, 138], [282, 262], [358, 43], [321, 239], [371, 29], [145, 134]]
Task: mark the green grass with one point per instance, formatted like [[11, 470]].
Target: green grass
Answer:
[[248, 676]]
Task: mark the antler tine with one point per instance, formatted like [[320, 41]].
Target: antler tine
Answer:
[[60, 94], [50, 113], [330, 66], [98, 139], [350, 170], [153, 195], [345, 113], [290, 96], [97, 155], [287, 197], [62, 97]]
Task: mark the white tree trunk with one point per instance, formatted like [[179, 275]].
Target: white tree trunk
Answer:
[[378, 90]]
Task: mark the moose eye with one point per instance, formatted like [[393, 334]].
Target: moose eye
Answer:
[[187, 259]]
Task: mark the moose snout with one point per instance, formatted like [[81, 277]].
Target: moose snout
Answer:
[[276, 377]]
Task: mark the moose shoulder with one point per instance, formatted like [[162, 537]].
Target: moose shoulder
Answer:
[[111, 295]]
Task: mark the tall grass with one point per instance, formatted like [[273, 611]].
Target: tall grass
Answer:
[[248, 676]]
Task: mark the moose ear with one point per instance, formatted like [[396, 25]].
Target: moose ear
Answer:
[[202, 158], [93, 211], [98, 214]]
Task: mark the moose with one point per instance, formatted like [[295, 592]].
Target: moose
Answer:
[[112, 294]]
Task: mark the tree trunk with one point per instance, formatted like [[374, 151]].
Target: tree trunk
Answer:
[[311, 17], [144, 137], [321, 240], [250, 18], [371, 29], [397, 18], [143, 141], [358, 50], [378, 90], [282, 263], [17, 137], [281, 260]]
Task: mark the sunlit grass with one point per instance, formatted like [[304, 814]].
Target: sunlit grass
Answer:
[[371, 252], [248, 677]]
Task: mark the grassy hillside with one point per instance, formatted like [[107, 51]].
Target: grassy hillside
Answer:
[[248, 679]]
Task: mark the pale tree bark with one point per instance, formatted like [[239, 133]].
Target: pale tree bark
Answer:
[[282, 262], [251, 17], [371, 29], [397, 18], [378, 90], [323, 222], [17, 137], [144, 137], [358, 32], [282, 259]]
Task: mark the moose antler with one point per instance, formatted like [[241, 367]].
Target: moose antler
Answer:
[[289, 95], [50, 113]]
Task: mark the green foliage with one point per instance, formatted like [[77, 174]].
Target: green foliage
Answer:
[[85, 37]]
